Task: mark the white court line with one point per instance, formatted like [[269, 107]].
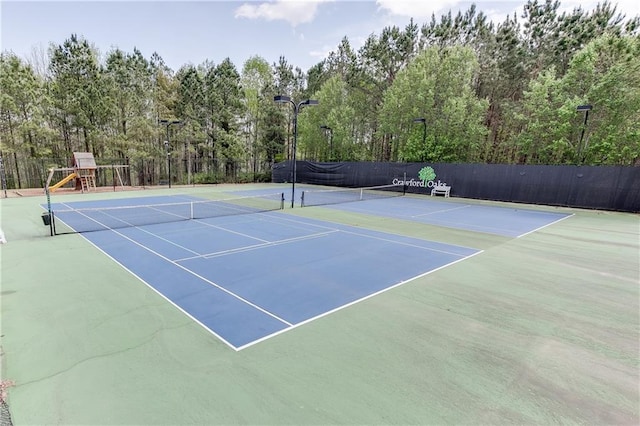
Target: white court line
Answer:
[[544, 226], [230, 231], [439, 222], [289, 325], [253, 305], [166, 240], [160, 294], [130, 225], [353, 302], [302, 224], [456, 225], [382, 232], [256, 246], [441, 211], [403, 244], [106, 228]]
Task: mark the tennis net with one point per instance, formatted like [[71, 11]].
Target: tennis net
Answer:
[[98, 219], [319, 197]]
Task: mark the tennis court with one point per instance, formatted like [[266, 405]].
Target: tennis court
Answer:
[[513, 221], [217, 267], [368, 312]]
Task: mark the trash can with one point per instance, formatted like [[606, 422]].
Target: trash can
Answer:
[[46, 218]]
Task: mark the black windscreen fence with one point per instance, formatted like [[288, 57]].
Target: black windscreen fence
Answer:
[[594, 187]]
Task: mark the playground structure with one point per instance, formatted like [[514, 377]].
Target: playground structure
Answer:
[[83, 172]]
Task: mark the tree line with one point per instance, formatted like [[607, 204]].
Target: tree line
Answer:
[[459, 88]]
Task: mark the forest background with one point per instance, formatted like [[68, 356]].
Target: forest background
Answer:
[[456, 89]]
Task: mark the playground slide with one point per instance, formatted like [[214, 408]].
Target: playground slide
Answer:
[[62, 182]]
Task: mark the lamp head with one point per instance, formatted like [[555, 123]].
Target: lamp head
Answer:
[[309, 102], [281, 98], [584, 108], [169, 122], [419, 120]]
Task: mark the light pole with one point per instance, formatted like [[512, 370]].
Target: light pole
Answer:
[[586, 109], [424, 134], [296, 108], [167, 144], [329, 130]]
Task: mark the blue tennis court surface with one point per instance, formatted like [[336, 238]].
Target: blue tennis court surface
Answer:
[[509, 222], [249, 277]]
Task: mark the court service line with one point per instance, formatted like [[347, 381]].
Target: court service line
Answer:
[[167, 241], [256, 246], [324, 314], [460, 225], [381, 232], [253, 305], [441, 211], [230, 231], [456, 224], [402, 243]]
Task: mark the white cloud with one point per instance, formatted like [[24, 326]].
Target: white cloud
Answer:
[[418, 9], [496, 10], [295, 12], [630, 8], [322, 53]]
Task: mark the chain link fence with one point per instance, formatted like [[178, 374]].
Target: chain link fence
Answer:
[[34, 172], [5, 415]]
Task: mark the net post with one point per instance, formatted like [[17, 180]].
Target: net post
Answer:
[[191, 210], [49, 211], [281, 200], [302, 199], [404, 184]]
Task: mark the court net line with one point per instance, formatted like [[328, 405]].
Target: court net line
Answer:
[[105, 218], [319, 197]]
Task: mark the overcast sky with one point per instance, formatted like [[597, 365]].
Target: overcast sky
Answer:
[[183, 32]]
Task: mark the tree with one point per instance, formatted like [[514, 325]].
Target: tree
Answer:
[[80, 93], [256, 79], [437, 86], [225, 99], [23, 130], [129, 79], [335, 111], [606, 74]]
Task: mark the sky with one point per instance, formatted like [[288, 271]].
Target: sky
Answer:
[[192, 32]]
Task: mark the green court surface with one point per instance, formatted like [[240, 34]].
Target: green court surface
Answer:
[[542, 329]]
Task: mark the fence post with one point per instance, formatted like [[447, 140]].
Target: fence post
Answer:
[[3, 178]]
